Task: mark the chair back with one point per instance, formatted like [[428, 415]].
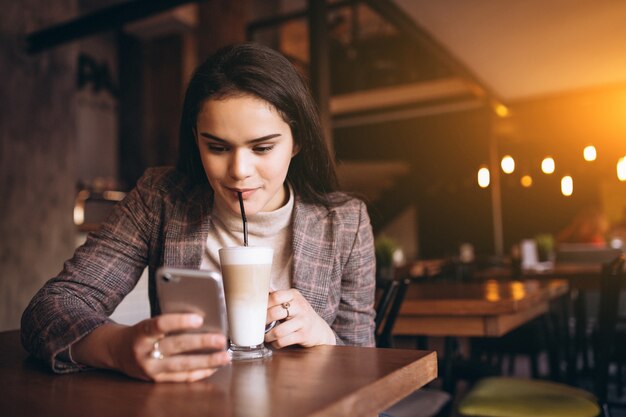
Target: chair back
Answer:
[[386, 290], [612, 280], [584, 253], [384, 326]]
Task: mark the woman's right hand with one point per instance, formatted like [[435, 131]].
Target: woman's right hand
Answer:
[[128, 349]]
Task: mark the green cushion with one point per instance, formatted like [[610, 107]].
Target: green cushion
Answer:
[[516, 397]]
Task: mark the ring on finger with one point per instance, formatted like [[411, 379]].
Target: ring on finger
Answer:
[[156, 353], [286, 307]]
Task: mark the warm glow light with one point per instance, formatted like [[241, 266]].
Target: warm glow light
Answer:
[[483, 177], [518, 291], [508, 164], [492, 290], [79, 215], [547, 165], [501, 110], [621, 169], [526, 181], [589, 153], [567, 185], [79, 207]]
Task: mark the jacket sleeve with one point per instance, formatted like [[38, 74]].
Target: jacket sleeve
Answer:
[[93, 282], [354, 324]]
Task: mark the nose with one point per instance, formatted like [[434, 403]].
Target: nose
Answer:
[[241, 165]]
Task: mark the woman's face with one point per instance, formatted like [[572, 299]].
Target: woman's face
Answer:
[[245, 146]]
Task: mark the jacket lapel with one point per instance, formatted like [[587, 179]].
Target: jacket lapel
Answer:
[[313, 253], [187, 230]]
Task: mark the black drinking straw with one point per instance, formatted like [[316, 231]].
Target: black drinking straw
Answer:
[[243, 218]]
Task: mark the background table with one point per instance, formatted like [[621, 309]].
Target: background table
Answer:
[[319, 381], [490, 308], [483, 309]]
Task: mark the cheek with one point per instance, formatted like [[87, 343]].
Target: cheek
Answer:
[[212, 168], [277, 169]]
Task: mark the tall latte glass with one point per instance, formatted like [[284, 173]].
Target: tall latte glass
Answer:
[[246, 275]]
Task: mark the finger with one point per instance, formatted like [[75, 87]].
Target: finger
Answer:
[[282, 330], [282, 296], [188, 363], [148, 328], [177, 344], [280, 312], [168, 323], [293, 338]]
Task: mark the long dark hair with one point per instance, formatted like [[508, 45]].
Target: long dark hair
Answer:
[[264, 73]]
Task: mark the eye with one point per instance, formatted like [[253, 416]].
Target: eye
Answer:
[[215, 148], [263, 149]]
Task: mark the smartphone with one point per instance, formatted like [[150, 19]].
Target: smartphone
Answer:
[[193, 291]]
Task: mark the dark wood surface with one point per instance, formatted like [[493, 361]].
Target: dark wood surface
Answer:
[[486, 308], [319, 381], [584, 276]]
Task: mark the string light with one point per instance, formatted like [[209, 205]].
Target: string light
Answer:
[[567, 186], [484, 177], [621, 169], [589, 153], [526, 181], [548, 165], [508, 164], [501, 110]]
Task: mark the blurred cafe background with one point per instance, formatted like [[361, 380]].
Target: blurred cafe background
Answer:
[[478, 132]]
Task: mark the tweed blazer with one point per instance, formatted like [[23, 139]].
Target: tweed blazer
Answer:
[[164, 221]]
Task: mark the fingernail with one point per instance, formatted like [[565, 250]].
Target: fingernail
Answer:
[[196, 320]]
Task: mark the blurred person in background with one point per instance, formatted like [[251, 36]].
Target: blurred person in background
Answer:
[[589, 226]]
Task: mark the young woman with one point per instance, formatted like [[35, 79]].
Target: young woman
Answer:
[[248, 125]]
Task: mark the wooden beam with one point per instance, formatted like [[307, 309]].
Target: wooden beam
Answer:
[[401, 94], [319, 68], [406, 25], [393, 114], [110, 18]]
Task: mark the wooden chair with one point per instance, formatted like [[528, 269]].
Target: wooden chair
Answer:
[[425, 402], [387, 310], [385, 293], [517, 397], [584, 301], [610, 335]]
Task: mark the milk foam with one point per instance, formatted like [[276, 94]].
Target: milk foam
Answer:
[[246, 255]]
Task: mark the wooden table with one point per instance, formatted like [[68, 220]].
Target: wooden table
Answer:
[[489, 308], [319, 381], [583, 278]]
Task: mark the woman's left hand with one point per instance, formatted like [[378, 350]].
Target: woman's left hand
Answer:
[[298, 324]]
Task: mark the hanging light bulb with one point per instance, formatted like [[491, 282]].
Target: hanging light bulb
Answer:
[[526, 181], [508, 164], [567, 186], [589, 153], [621, 169], [548, 165], [501, 110], [484, 177]]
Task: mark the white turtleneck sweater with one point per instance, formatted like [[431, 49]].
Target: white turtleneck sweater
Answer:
[[271, 229]]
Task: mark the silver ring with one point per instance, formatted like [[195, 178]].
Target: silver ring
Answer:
[[286, 307], [155, 353]]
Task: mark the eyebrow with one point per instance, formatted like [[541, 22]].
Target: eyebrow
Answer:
[[256, 140]]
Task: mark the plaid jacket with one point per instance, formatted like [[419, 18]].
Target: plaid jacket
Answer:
[[163, 222]]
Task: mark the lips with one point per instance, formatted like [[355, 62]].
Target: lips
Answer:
[[245, 192]]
